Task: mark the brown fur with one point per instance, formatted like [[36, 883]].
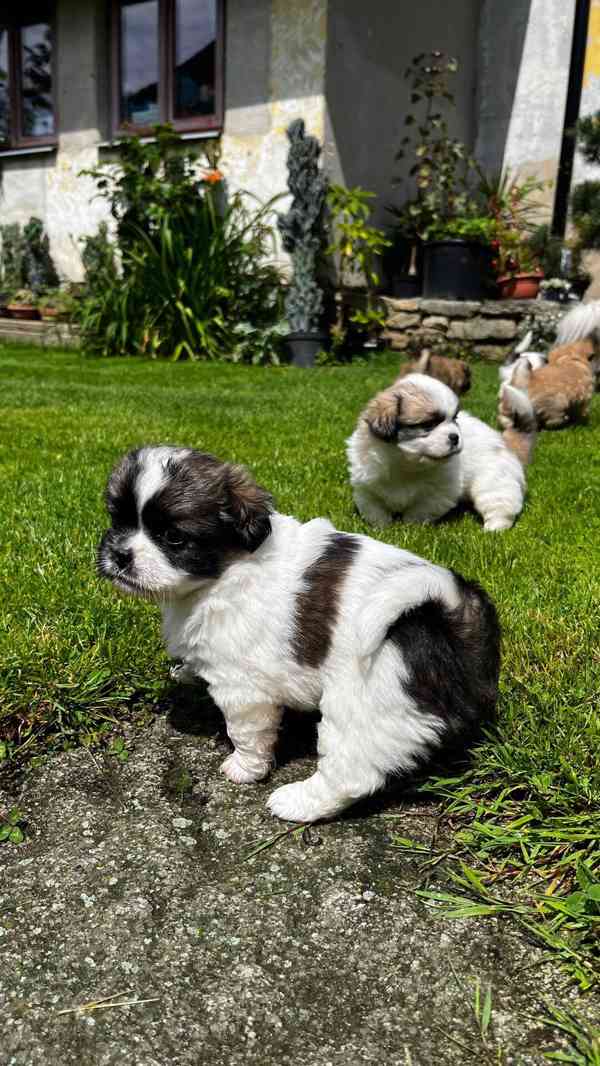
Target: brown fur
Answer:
[[382, 413], [316, 605], [561, 391], [454, 373]]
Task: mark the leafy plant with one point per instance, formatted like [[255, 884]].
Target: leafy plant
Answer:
[[12, 827], [13, 250], [443, 165], [38, 264], [193, 267], [357, 244], [588, 137], [585, 213], [24, 298], [304, 230], [477, 228]]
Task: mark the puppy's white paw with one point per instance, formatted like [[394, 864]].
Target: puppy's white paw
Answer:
[[498, 523], [238, 772], [298, 803]]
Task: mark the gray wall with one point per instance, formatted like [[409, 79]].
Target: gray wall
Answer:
[[368, 49]]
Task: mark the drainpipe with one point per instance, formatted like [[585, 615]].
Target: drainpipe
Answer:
[[567, 148]]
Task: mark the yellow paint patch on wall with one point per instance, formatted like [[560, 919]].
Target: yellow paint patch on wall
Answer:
[[592, 52]]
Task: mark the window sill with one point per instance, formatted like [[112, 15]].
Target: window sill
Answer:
[[193, 135], [37, 149]]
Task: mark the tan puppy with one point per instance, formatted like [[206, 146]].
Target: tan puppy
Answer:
[[560, 392], [452, 372]]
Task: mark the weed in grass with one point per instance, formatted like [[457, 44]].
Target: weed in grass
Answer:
[[583, 1041], [12, 827]]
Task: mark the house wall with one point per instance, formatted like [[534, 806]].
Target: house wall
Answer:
[[369, 47], [275, 69], [524, 51]]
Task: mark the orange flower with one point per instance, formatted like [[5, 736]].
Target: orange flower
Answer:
[[212, 177]]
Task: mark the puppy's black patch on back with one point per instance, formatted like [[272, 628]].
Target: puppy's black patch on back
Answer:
[[317, 603], [452, 657]]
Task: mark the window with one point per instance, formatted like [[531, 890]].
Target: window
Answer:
[[167, 63], [27, 112]]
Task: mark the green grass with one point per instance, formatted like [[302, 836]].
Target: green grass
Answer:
[[76, 659]]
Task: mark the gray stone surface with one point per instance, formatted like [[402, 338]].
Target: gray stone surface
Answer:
[[450, 308], [135, 879], [479, 328]]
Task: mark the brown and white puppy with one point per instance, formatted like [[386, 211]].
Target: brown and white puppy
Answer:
[[415, 454], [454, 373], [560, 392]]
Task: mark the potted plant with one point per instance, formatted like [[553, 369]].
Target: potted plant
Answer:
[[518, 271], [558, 290], [356, 245], [23, 305], [55, 305], [303, 231], [443, 206], [402, 260], [39, 266]]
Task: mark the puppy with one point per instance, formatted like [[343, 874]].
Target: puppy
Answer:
[[454, 373], [399, 655], [519, 356], [414, 453], [559, 392]]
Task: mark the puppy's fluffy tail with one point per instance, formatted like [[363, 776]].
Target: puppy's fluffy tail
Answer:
[[579, 324], [517, 416]]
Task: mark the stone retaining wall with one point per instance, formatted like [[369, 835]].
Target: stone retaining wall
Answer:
[[488, 329]]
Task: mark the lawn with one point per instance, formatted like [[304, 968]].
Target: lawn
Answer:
[[76, 659]]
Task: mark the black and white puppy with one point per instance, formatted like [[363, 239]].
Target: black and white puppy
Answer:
[[397, 653]]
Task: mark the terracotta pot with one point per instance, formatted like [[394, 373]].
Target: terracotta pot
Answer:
[[22, 311], [52, 314], [520, 286]]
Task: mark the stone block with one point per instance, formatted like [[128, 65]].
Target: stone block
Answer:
[[506, 308], [435, 322], [450, 308], [394, 304], [403, 320], [483, 329], [396, 341], [492, 353]]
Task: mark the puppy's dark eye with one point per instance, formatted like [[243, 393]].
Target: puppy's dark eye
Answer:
[[174, 538]]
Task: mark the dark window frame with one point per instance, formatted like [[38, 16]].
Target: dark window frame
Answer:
[[166, 74], [13, 25]]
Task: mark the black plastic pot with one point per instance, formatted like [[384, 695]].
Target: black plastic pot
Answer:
[[556, 296], [303, 347], [406, 286], [456, 269]]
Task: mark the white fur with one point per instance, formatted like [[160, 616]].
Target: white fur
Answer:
[[579, 324], [535, 360], [236, 632], [423, 480]]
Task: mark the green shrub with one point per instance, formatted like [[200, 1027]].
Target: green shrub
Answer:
[[194, 279], [585, 211]]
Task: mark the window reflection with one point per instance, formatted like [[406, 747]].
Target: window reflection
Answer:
[[4, 98], [195, 49], [36, 77], [139, 62]]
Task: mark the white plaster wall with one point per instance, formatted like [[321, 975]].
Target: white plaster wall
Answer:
[[524, 50]]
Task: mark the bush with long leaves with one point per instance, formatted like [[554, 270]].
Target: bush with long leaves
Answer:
[[195, 280]]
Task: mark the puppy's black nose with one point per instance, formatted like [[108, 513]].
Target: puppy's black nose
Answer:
[[122, 557], [453, 438]]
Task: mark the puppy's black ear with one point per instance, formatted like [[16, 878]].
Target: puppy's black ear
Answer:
[[382, 415], [249, 509]]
